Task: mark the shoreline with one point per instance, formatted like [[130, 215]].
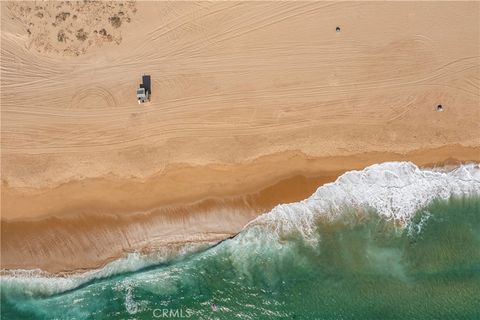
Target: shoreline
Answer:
[[94, 235]]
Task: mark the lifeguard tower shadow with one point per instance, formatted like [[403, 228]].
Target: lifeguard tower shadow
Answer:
[[146, 83]]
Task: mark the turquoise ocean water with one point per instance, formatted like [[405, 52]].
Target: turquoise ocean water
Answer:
[[358, 259]]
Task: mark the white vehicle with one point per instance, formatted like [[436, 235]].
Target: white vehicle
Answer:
[[142, 95]]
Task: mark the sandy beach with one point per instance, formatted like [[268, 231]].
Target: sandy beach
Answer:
[[253, 104]]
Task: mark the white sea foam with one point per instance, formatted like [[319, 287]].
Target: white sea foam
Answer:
[[396, 190], [34, 282], [131, 305]]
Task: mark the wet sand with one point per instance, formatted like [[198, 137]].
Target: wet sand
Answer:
[[69, 237]]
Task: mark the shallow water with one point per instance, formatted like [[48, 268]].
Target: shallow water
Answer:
[[357, 265]]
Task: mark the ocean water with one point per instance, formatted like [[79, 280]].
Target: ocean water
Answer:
[[389, 242]]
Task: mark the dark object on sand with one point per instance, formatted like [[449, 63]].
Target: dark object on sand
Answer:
[[337, 29], [145, 89], [439, 108]]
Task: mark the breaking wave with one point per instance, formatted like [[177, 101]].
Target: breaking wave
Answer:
[[393, 190], [39, 282]]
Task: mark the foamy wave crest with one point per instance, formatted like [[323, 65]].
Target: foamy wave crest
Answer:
[[396, 190], [38, 282]]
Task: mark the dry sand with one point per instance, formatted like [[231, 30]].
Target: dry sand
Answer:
[[253, 104]]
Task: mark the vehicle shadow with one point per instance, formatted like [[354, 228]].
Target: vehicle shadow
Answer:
[[146, 83]]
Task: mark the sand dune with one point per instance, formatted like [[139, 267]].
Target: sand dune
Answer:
[[245, 95]]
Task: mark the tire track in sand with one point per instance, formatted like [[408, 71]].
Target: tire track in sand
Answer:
[[97, 92]]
